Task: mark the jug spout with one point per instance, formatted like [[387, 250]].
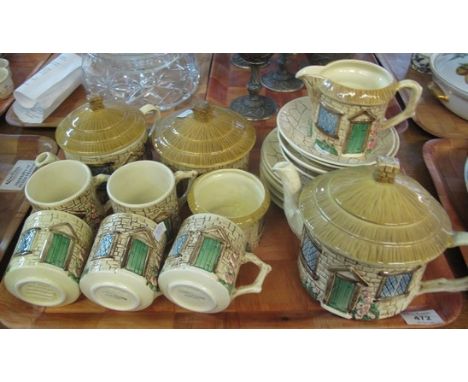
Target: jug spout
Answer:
[[291, 188], [309, 72]]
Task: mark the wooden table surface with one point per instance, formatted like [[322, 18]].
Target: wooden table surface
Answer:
[[274, 307]]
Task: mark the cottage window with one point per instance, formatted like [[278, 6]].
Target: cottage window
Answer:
[[104, 246], [208, 256], [59, 249], [137, 256], [310, 253], [395, 285], [328, 121], [25, 242], [178, 245]]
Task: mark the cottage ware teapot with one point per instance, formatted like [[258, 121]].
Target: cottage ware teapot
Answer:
[[104, 136], [367, 234], [349, 99]]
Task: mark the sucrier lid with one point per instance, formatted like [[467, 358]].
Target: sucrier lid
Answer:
[[374, 214], [98, 128], [203, 136]]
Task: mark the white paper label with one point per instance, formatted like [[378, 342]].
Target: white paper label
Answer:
[[18, 176], [422, 317], [159, 231]]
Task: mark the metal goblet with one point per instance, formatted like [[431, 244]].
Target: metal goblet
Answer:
[[254, 106], [282, 80]]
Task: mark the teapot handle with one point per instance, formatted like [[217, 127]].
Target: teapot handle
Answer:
[[415, 94], [147, 109]]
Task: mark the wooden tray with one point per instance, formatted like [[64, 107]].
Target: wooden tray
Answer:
[[22, 66], [13, 205], [431, 115], [283, 303], [445, 159]]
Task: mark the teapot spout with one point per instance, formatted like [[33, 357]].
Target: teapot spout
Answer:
[[291, 188]]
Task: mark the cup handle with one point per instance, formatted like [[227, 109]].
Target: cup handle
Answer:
[[415, 94], [256, 286], [45, 158], [147, 109], [179, 175], [97, 181]]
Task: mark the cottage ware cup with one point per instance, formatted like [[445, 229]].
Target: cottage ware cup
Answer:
[[105, 136], [349, 100], [148, 188], [236, 194], [367, 234], [201, 269], [48, 259], [66, 185], [123, 266], [6, 83]]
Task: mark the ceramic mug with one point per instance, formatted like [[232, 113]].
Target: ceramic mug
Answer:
[[349, 101], [201, 269], [66, 185], [236, 194], [48, 259], [124, 263], [148, 188], [6, 83]]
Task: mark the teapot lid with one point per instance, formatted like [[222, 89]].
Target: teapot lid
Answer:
[[203, 136], [375, 214], [99, 128]]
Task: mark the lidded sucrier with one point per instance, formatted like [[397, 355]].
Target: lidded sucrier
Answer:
[[367, 234], [204, 137], [104, 136]]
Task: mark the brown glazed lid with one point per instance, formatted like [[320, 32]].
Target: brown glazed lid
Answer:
[[97, 128], [203, 136]]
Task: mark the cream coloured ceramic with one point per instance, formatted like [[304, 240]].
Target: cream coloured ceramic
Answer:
[[201, 268], [348, 100], [123, 266], [450, 76], [236, 194], [295, 125], [48, 259], [367, 234], [148, 188], [6, 83], [66, 185]]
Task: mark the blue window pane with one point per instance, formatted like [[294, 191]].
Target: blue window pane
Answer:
[[310, 253], [105, 246], [328, 121], [25, 242], [178, 244], [396, 285]]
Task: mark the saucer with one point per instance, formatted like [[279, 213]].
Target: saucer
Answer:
[[294, 124]]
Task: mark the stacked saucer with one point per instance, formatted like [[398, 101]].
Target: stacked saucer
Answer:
[[297, 144], [270, 155]]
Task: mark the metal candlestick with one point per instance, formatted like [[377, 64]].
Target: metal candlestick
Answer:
[[281, 80], [254, 106]]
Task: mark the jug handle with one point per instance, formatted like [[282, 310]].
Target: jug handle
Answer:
[[415, 94], [444, 285], [179, 175], [45, 158], [256, 286]]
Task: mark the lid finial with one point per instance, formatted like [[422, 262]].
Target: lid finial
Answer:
[[386, 170], [95, 102], [202, 110]]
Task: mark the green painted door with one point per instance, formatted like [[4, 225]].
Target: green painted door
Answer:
[[357, 140], [57, 252], [136, 258], [341, 293], [208, 256]]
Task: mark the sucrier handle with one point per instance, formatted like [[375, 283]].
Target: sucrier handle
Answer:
[[45, 158], [179, 175], [444, 285], [256, 286], [415, 94], [147, 109]]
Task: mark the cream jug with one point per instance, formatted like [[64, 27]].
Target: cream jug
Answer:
[[349, 100]]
